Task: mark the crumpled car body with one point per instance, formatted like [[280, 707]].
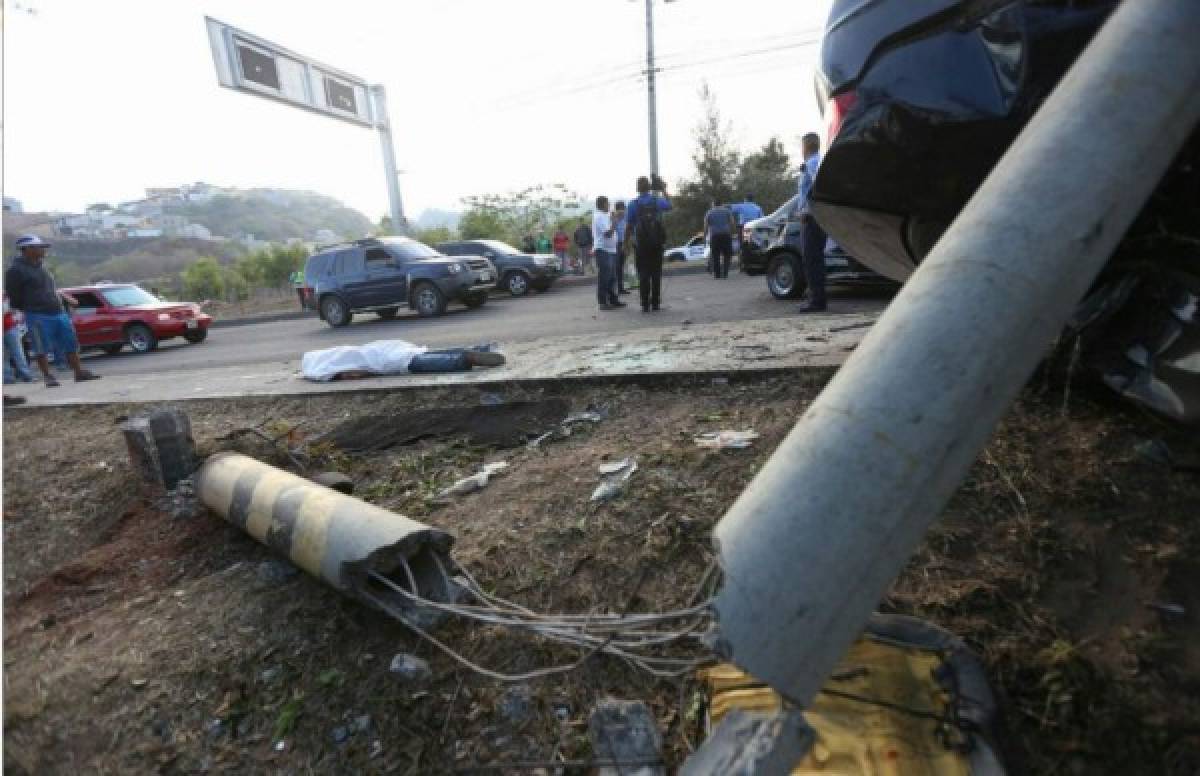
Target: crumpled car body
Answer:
[[923, 97]]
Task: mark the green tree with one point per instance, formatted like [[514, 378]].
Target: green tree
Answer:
[[717, 165], [204, 280], [764, 174], [434, 235], [511, 216], [480, 223]]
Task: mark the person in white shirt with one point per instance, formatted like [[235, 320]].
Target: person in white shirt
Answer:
[[604, 244]]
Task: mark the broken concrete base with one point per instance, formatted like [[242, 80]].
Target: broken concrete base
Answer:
[[625, 734], [161, 448], [746, 744]]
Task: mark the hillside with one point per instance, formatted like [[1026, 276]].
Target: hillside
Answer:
[[276, 215]]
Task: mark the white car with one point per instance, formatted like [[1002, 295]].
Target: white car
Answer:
[[696, 249]]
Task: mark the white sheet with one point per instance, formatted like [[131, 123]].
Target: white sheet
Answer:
[[382, 357]]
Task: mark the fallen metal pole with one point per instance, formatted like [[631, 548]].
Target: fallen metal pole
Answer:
[[332, 536], [812, 545]]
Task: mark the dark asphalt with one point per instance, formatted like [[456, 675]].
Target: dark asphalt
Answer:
[[562, 311]]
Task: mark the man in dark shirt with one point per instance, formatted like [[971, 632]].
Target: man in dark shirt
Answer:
[[719, 224], [31, 290], [648, 207]]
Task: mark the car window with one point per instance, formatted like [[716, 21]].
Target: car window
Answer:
[[88, 302], [695, 241], [348, 262], [378, 259], [451, 249], [410, 250], [129, 296]]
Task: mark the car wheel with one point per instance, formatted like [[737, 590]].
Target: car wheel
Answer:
[[197, 336], [388, 313], [784, 280], [113, 350], [140, 338], [428, 300], [334, 311], [477, 300], [516, 283]]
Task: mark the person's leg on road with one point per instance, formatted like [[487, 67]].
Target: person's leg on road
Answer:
[[14, 352], [64, 337], [41, 343], [621, 271], [642, 262], [454, 360], [605, 283], [656, 270], [720, 249], [813, 242], [300, 296]]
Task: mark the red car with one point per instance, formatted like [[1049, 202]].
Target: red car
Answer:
[[110, 317]]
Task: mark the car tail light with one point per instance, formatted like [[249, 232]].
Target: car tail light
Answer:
[[838, 107]]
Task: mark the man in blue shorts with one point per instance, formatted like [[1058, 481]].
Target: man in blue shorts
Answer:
[[31, 290]]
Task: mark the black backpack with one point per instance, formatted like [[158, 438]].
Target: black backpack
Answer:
[[649, 232]]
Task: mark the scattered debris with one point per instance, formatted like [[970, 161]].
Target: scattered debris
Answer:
[[340, 734], [335, 480], [746, 743], [614, 478], [475, 482], [723, 440], [1172, 609], [625, 732], [180, 503], [566, 427], [410, 668], [516, 704], [491, 399], [720, 381]]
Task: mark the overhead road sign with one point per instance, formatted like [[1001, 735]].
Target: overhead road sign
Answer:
[[248, 63]]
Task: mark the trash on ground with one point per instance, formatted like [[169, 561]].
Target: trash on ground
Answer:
[[410, 668], [567, 425], [615, 476], [1173, 609], [722, 440], [475, 482], [626, 734]]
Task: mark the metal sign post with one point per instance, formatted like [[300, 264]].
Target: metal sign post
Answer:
[[253, 65], [383, 124]]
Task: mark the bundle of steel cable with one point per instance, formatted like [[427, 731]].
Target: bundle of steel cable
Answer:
[[624, 636]]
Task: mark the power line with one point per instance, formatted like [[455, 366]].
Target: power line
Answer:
[[636, 67], [636, 77]]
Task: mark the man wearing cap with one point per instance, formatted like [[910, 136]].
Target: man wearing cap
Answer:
[[31, 290]]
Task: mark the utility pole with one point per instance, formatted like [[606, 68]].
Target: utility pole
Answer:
[[383, 124], [650, 96]]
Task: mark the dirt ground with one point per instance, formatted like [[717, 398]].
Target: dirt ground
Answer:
[[138, 642]]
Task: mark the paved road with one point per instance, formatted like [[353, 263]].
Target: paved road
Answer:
[[562, 311]]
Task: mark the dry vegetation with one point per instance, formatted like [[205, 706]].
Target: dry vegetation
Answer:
[[135, 642]]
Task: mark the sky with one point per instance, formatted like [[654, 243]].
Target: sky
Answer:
[[103, 99]]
